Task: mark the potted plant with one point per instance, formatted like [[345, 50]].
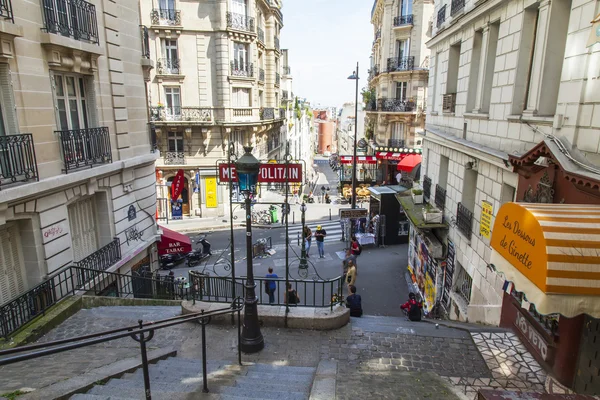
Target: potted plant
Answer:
[[432, 215], [417, 195]]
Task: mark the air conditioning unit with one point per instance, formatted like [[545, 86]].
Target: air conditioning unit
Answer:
[[448, 102]]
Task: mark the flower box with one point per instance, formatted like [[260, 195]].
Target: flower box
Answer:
[[417, 196], [433, 215]]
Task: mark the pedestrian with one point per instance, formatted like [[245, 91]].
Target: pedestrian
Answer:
[[355, 247], [320, 236], [399, 177], [296, 198], [307, 235], [271, 285], [291, 297], [351, 274], [349, 257], [354, 302], [412, 307]]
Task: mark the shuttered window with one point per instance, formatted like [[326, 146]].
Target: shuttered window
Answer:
[[12, 282], [82, 220], [241, 97], [8, 113]]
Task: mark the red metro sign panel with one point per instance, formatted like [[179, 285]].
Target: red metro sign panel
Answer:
[[268, 173]]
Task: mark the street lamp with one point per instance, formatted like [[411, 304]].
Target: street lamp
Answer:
[[247, 172], [303, 262], [354, 76]]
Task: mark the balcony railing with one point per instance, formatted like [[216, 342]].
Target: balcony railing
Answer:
[[6, 10], [71, 18], [242, 69], [17, 159], [276, 41], [267, 113], [177, 113], [441, 17], [371, 106], [457, 6], [104, 258], [403, 20], [287, 70], [145, 42], [277, 79], [282, 113], [261, 75], [373, 72], [401, 64], [174, 158], [167, 16], [240, 22], [261, 35], [440, 197], [285, 95], [395, 105], [377, 36], [168, 66], [426, 188], [464, 220], [395, 143], [85, 147]]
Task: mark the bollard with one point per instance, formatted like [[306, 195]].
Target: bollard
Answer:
[[293, 217], [330, 213], [298, 239]]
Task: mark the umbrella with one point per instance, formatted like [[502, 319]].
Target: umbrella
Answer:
[[409, 162]]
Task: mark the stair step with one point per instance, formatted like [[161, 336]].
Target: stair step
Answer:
[[136, 393], [258, 394], [82, 396], [278, 377], [282, 369], [267, 386]]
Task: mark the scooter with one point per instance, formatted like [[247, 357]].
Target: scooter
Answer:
[[195, 257]]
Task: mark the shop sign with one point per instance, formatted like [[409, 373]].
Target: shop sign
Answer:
[[131, 213], [531, 335], [211, 192], [359, 160], [268, 173], [485, 224], [177, 185], [175, 248], [353, 213]]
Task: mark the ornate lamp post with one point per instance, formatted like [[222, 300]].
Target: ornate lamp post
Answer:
[[247, 171], [354, 76], [303, 262]]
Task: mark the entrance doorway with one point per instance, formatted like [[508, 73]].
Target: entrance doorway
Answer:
[[184, 196]]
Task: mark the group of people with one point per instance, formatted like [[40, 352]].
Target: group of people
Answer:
[[291, 295], [319, 236]]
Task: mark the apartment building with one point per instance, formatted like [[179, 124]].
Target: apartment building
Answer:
[[77, 171], [397, 95], [513, 115], [216, 80]]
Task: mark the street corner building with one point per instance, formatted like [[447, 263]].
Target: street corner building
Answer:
[[77, 195]]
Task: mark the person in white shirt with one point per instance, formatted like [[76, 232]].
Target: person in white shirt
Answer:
[[398, 177]]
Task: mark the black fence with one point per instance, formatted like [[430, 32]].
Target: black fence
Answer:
[[103, 258], [85, 147], [17, 159], [145, 42], [426, 188], [72, 18], [261, 35], [168, 66], [441, 16], [395, 105], [166, 16], [457, 6], [267, 113], [242, 69], [464, 220], [261, 75], [401, 64], [440, 197], [403, 20], [6, 10], [240, 22]]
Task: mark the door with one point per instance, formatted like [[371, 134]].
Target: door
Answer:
[[402, 49], [71, 102], [239, 7], [401, 90], [173, 97], [171, 57], [405, 7], [82, 221], [167, 5], [240, 57], [12, 283]]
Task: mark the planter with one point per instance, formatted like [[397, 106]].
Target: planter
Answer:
[[417, 198], [433, 216]]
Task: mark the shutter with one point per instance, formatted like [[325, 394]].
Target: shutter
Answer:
[[82, 221], [7, 98], [11, 261], [90, 99]]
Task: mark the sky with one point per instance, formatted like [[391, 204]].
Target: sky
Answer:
[[326, 38]]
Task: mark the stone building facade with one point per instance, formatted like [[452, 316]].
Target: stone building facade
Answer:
[[216, 79], [504, 77], [77, 171]]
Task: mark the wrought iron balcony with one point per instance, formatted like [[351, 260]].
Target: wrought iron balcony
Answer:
[[282, 113], [71, 18], [240, 22], [401, 64], [377, 35], [464, 220], [85, 147], [242, 69], [276, 41], [277, 79], [371, 106], [104, 258], [426, 188], [167, 16], [176, 113], [267, 113], [441, 17], [373, 72], [395, 143], [174, 158], [261, 75], [457, 6], [168, 66], [17, 159], [145, 42], [395, 105], [6, 10], [440, 197], [261, 35], [403, 20], [287, 70]]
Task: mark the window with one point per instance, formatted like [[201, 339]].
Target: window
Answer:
[[261, 99], [82, 221], [475, 67], [176, 142], [12, 282], [453, 63], [402, 48], [173, 97], [469, 189], [70, 92], [239, 7], [8, 115], [240, 97], [401, 90], [237, 138], [405, 7], [508, 193], [397, 131], [463, 283], [436, 80], [240, 55], [443, 175], [483, 61], [167, 4], [171, 57]]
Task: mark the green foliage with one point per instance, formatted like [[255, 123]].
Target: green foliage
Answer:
[[417, 192], [368, 95], [370, 130]]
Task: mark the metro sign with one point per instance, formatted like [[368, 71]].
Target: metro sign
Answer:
[[268, 173]]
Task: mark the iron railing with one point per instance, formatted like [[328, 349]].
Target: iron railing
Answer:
[[18, 162], [261, 75], [141, 333], [457, 6], [441, 16], [276, 41], [464, 220], [85, 147], [6, 10], [395, 143], [240, 22], [440, 197], [373, 72], [267, 113], [312, 293], [282, 113], [103, 258], [168, 66], [261, 35], [174, 158], [426, 188], [371, 105], [168, 16], [177, 113], [277, 79], [71, 18], [395, 105], [145, 42], [401, 64], [403, 20], [377, 35], [242, 69], [287, 70]]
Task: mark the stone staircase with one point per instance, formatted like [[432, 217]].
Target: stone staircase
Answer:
[[180, 378]]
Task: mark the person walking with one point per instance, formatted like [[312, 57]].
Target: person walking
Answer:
[[271, 285], [351, 274], [355, 247], [320, 236], [291, 296], [412, 307], [307, 235], [354, 302]]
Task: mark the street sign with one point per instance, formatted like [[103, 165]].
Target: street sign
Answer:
[[268, 173], [353, 213]]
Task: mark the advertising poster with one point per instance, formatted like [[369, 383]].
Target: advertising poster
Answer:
[[177, 209], [449, 273], [485, 224], [211, 192], [429, 293]]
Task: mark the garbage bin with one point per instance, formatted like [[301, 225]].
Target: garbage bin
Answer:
[[273, 212]]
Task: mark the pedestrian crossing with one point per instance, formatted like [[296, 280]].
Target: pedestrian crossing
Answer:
[[332, 228]]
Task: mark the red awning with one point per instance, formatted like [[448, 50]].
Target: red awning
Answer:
[[388, 155], [409, 162], [172, 242], [359, 159]]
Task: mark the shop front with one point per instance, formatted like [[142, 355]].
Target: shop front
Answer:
[[390, 165], [393, 225], [366, 174], [549, 256]]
